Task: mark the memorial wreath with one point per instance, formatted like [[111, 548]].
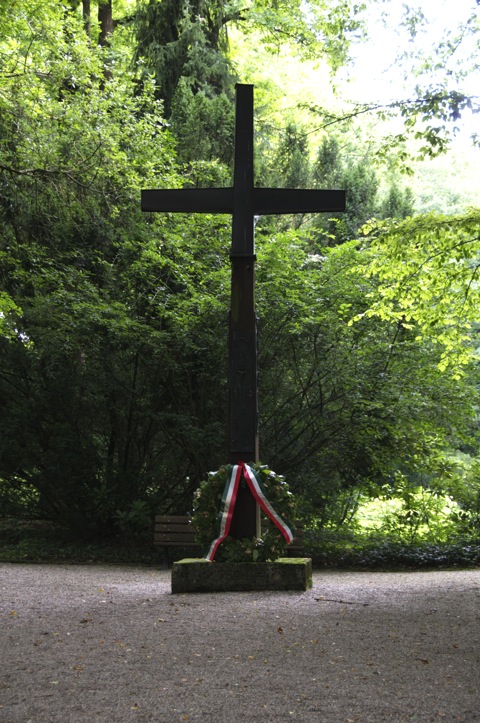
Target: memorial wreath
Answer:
[[214, 503]]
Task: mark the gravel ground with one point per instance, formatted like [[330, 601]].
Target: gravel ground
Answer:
[[98, 643]]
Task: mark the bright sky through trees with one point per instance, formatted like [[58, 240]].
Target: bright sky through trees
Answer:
[[382, 69], [424, 45]]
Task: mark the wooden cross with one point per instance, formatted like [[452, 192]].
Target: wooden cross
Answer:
[[244, 201]]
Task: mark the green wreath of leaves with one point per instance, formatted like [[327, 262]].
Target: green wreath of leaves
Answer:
[[207, 500]]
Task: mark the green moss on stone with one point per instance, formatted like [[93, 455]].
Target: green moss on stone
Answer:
[[199, 575]]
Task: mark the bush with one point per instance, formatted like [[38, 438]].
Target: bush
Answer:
[[345, 549]]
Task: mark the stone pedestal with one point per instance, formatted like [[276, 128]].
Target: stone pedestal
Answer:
[[198, 575]]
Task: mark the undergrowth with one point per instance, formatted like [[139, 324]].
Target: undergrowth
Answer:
[[345, 549], [35, 541]]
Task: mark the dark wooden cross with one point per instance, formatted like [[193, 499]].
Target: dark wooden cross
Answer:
[[244, 201]]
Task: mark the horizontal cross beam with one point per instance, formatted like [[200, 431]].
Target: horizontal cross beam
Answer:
[[265, 200]]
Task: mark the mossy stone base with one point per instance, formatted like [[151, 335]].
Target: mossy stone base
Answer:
[[197, 575]]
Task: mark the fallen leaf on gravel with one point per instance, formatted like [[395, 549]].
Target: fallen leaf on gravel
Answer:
[[322, 598], [279, 629]]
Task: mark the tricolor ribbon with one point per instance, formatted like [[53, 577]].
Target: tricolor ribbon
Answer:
[[229, 499]]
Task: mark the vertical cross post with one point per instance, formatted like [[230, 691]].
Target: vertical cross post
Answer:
[[243, 373]]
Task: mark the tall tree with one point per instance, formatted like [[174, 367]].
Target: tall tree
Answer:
[[86, 12], [105, 20], [184, 39]]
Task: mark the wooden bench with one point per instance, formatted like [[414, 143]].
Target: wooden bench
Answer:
[[178, 531]]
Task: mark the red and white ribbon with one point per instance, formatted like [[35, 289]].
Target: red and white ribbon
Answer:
[[229, 499]]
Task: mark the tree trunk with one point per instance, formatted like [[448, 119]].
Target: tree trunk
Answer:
[[105, 18], [86, 16]]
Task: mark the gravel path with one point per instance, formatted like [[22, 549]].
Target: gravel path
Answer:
[[90, 643]]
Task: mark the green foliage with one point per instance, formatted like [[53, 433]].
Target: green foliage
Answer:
[[411, 514], [113, 324], [315, 28], [180, 40], [335, 167], [343, 406], [352, 552], [398, 203], [17, 498], [137, 521], [427, 268], [9, 312], [37, 541], [291, 163], [420, 520], [118, 310], [464, 487], [204, 129]]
